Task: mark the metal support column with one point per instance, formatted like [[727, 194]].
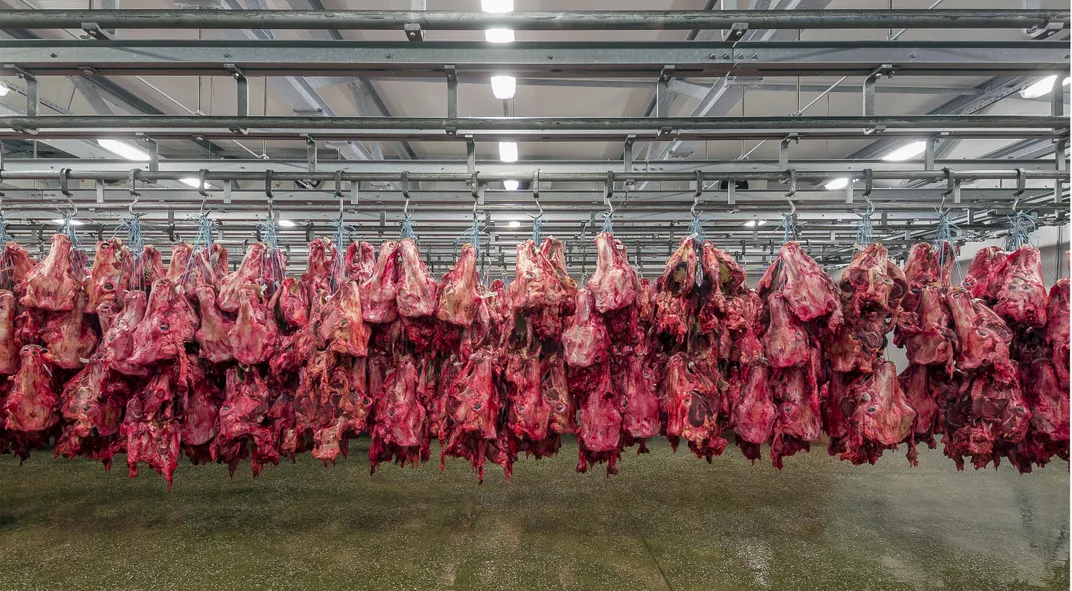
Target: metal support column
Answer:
[[243, 89], [452, 91], [1057, 109], [662, 93]]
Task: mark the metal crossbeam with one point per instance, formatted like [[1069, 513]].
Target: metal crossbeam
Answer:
[[563, 59], [528, 21]]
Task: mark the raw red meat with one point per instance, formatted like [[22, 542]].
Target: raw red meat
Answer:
[[15, 265], [1057, 330], [359, 262], [169, 323], [244, 430], [459, 296], [553, 251], [925, 327], [93, 403], [291, 303], [585, 342], [152, 265], [400, 432], [379, 292], [809, 293], [981, 279], [255, 335], [640, 407], [535, 284], [798, 419], [754, 412], [922, 266], [321, 258], [987, 417], [692, 409], [785, 341], [880, 416], [32, 404], [341, 326], [472, 408], [117, 346], [675, 310], [1021, 289], [599, 430], [151, 427], [982, 337], [250, 272], [528, 414], [555, 391], [417, 288], [9, 351], [921, 393], [872, 280], [69, 339], [106, 281], [614, 284], [55, 282], [212, 335]]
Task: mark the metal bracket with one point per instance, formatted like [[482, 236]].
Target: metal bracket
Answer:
[[928, 154], [243, 88], [228, 185], [731, 192], [310, 153], [869, 88], [94, 31], [413, 32], [952, 185], [627, 154], [783, 150], [662, 92], [869, 182], [33, 91], [736, 32], [154, 154], [99, 186], [452, 91], [470, 154]]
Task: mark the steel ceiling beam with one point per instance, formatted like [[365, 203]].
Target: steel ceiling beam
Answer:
[[272, 57], [536, 21]]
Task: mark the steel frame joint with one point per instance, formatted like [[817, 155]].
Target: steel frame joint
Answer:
[[452, 90], [96, 32], [413, 32], [243, 88], [662, 92]]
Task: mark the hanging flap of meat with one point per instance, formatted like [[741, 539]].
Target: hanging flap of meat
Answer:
[[15, 265], [1057, 330], [868, 280], [341, 326], [535, 283], [458, 296], [201, 422], [169, 323], [117, 345], [243, 422], [106, 279], [809, 292], [32, 404], [925, 327], [151, 427], [982, 337], [798, 419], [785, 341], [923, 267], [987, 417], [640, 406], [291, 303], [54, 283], [981, 278], [553, 251], [881, 416], [585, 342], [255, 334], [212, 335], [691, 410], [754, 413], [250, 272], [555, 389], [472, 408], [379, 293], [614, 284], [69, 339], [358, 263], [417, 288], [9, 350], [321, 258], [93, 403], [599, 430], [675, 310], [528, 414], [181, 255], [152, 265], [916, 382], [1021, 288], [400, 433]]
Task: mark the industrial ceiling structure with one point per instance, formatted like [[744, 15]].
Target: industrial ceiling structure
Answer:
[[776, 119]]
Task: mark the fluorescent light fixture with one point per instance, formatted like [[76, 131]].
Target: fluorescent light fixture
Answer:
[[906, 152], [1066, 81], [124, 150], [503, 87], [1040, 88], [192, 182], [754, 223], [511, 184], [60, 222], [497, 5], [3, 90], [508, 151], [515, 224], [498, 35], [836, 184], [286, 224]]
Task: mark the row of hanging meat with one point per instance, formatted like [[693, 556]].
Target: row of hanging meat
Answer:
[[128, 356]]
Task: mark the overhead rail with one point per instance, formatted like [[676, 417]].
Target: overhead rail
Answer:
[[50, 57], [530, 21], [534, 128]]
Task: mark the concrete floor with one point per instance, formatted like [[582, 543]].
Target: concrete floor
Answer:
[[665, 522]]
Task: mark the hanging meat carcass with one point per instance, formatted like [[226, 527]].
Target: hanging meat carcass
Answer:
[[55, 282], [250, 272], [93, 403], [169, 323], [1021, 291], [400, 433], [472, 410]]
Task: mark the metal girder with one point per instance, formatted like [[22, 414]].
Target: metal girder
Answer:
[[534, 20], [271, 57], [537, 128]]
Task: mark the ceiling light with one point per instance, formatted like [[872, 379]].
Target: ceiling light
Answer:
[[60, 222], [754, 223], [511, 184], [286, 224], [124, 150], [192, 182], [1040, 88], [497, 5], [508, 151], [1066, 81], [3, 90], [515, 224], [906, 152], [503, 87], [498, 35], [836, 184]]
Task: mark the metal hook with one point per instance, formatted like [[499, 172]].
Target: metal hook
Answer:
[[536, 191], [698, 193], [338, 191], [869, 181], [64, 172], [405, 192], [1021, 186], [268, 192], [608, 192], [949, 181], [792, 191], [134, 194]]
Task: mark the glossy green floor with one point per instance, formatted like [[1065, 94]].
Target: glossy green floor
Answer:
[[665, 522]]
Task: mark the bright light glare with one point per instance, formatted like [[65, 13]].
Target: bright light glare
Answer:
[[511, 184], [3, 90], [497, 5], [1067, 80], [498, 35], [836, 184], [754, 223], [191, 182], [1040, 88], [60, 222], [508, 151], [124, 150], [503, 87], [286, 224], [515, 224], [906, 152]]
